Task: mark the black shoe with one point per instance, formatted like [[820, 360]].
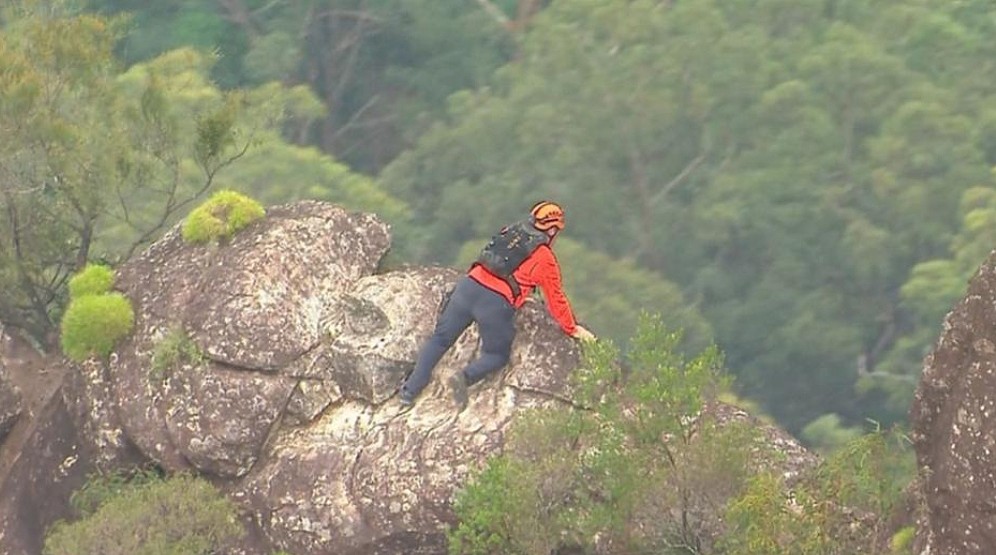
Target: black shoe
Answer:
[[406, 401], [458, 388]]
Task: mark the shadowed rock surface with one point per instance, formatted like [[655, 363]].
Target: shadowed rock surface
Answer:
[[954, 427], [270, 365]]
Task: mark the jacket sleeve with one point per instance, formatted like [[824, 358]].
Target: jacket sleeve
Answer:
[[547, 275]]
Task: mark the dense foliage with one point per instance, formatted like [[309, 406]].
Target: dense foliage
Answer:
[[844, 506], [628, 475], [648, 468], [379, 66], [99, 160]]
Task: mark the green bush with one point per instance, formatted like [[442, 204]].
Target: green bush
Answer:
[[866, 476], [94, 279], [220, 217], [604, 479], [646, 470], [92, 324], [484, 507], [100, 488], [181, 514], [902, 541]]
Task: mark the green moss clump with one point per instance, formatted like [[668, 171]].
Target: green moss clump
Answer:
[[94, 279], [220, 217], [94, 323], [174, 349], [902, 541]]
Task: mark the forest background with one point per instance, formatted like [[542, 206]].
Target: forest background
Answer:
[[808, 183]]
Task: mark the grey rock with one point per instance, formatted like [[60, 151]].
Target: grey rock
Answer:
[[953, 420]]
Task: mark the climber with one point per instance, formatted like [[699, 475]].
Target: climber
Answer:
[[515, 261]]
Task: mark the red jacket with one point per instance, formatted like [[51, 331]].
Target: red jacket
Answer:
[[539, 269]]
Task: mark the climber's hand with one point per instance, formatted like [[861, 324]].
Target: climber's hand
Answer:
[[582, 333]]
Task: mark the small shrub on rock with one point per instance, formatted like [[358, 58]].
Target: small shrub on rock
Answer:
[[92, 325], [101, 488], [902, 541], [181, 514], [92, 280], [220, 217], [175, 349]]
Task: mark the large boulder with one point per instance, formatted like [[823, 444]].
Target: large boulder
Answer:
[[288, 403], [253, 307], [362, 478], [954, 427]]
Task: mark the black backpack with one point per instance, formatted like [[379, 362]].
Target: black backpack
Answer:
[[509, 248]]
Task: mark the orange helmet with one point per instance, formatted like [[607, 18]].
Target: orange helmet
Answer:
[[546, 214]]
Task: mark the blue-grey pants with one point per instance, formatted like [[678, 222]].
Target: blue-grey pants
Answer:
[[470, 302]]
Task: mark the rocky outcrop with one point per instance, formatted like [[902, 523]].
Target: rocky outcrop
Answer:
[[370, 480], [270, 365], [954, 427], [253, 308]]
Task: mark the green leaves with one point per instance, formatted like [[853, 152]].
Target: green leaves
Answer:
[[597, 478], [842, 507], [485, 507], [60, 132], [215, 131]]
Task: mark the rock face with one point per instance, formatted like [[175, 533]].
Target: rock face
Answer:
[[35, 492], [299, 348], [42, 460], [954, 427], [270, 364]]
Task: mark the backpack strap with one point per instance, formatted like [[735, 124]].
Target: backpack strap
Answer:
[[513, 284]]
